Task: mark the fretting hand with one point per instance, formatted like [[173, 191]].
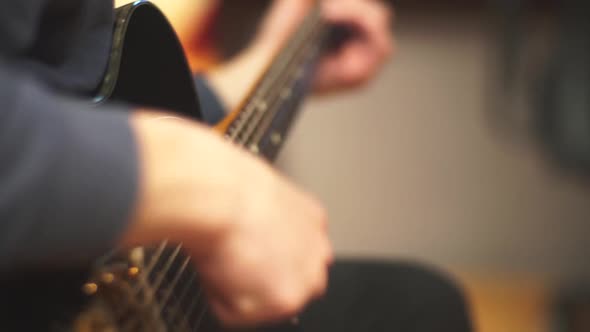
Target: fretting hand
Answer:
[[358, 60]]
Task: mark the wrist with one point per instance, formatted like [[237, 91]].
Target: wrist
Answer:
[[186, 183]]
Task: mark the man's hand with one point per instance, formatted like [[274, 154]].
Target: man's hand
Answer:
[[358, 60], [259, 243]]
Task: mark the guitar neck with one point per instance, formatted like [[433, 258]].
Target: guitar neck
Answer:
[[263, 121]]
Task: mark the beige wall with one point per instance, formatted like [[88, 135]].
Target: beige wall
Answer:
[[409, 167]]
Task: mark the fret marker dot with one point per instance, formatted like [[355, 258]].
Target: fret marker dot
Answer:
[[276, 138]]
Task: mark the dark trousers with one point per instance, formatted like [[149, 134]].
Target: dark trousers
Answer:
[[368, 296]]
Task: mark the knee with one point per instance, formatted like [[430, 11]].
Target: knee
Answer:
[[432, 293], [419, 290], [434, 288]]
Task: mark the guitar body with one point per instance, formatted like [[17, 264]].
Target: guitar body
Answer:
[[147, 65]]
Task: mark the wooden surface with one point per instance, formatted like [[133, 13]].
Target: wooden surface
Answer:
[[507, 303]]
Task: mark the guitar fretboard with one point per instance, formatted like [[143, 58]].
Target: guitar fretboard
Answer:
[[268, 112]]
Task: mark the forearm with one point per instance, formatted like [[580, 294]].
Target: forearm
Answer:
[[67, 176], [77, 180], [191, 182]]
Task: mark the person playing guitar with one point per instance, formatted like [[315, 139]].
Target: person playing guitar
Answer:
[[78, 179]]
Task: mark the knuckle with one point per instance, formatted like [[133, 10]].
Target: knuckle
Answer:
[[289, 302]]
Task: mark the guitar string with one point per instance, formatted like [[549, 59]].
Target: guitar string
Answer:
[[160, 308], [153, 290], [156, 258], [266, 82], [253, 105], [172, 287], [273, 96], [143, 283], [176, 312], [266, 120], [262, 99], [173, 283]]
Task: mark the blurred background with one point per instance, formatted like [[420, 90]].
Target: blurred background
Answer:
[[448, 159], [468, 153], [445, 160]]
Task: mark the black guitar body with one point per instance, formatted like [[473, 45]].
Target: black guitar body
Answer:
[[147, 64]]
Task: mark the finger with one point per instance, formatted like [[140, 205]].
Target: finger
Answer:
[[370, 18], [353, 66]]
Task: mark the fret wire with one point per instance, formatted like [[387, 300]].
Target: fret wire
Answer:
[[276, 96], [268, 79], [294, 64]]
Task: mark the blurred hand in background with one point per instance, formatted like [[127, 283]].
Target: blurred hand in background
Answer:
[[355, 63]]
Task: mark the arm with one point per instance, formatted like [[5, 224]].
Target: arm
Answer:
[[354, 65], [68, 175], [76, 181]]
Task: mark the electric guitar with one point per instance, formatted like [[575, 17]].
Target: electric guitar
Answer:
[[156, 288]]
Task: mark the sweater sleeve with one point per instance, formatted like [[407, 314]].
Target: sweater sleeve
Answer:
[[68, 175], [212, 109]]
